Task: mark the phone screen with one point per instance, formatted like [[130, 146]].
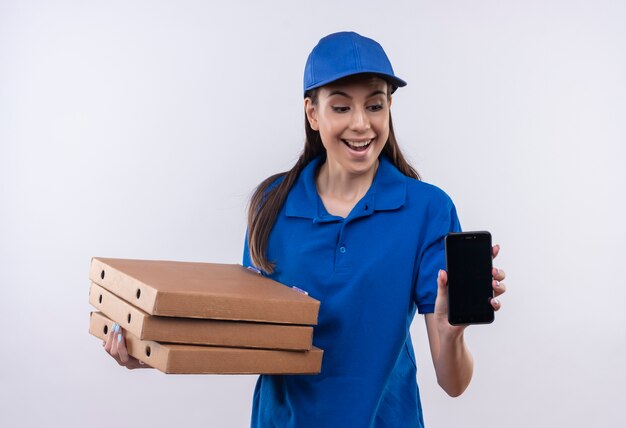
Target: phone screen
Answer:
[[468, 260]]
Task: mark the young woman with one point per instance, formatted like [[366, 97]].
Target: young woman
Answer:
[[352, 224]]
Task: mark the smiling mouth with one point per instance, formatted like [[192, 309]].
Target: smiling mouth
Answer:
[[358, 146]]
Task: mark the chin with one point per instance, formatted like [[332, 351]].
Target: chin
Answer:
[[361, 166]]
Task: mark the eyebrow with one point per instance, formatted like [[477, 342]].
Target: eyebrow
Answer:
[[338, 92]]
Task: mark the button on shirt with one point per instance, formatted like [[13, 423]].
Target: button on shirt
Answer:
[[371, 271]]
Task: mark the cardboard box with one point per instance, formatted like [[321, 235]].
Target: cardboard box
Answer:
[[199, 331], [203, 290], [198, 359]]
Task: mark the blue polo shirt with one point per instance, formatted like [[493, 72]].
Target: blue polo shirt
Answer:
[[371, 271]]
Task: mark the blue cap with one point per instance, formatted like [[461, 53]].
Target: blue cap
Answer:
[[345, 54]]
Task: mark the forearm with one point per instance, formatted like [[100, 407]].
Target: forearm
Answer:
[[454, 364], [452, 359]]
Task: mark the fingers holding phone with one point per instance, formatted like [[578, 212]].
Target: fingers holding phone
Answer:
[[495, 250], [498, 287]]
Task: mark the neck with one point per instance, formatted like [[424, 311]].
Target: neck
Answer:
[[333, 181]]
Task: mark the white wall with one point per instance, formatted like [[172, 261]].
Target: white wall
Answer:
[[139, 128]]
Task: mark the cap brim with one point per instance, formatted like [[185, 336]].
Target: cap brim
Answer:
[[396, 82]]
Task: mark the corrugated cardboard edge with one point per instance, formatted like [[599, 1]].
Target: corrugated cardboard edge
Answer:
[[238, 308], [243, 334], [197, 359], [128, 288], [199, 331], [129, 317], [152, 353], [243, 361], [167, 304]]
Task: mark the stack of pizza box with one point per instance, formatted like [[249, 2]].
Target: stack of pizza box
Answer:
[[184, 317]]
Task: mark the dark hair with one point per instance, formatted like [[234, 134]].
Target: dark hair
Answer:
[[266, 203]]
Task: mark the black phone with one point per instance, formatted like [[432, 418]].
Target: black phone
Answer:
[[469, 266]]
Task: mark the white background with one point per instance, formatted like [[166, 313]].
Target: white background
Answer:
[[139, 129]]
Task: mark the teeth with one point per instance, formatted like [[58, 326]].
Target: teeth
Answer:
[[358, 143]]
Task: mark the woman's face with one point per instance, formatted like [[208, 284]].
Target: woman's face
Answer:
[[352, 117]]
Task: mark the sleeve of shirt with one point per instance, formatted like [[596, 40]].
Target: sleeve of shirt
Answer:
[[433, 257]]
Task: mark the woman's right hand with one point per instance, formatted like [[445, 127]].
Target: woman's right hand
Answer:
[[115, 345]]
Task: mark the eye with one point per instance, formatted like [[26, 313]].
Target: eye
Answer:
[[375, 107], [340, 109]]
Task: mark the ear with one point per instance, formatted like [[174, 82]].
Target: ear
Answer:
[[390, 100], [311, 113]]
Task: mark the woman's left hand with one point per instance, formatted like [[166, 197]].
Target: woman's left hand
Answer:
[[452, 360], [441, 304]]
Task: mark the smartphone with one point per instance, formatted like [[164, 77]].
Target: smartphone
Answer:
[[469, 266]]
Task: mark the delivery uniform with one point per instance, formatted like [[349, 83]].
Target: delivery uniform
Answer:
[[371, 271]]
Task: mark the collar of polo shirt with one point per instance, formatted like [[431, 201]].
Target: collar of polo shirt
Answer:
[[387, 192]]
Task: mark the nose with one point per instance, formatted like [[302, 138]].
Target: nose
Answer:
[[360, 121]]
